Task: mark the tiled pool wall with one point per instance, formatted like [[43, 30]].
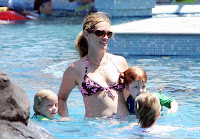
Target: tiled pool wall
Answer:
[[155, 44], [117, 8]]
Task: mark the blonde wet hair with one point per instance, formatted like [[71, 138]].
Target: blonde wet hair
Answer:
[[39, 97], [147, 109], [89, 23]]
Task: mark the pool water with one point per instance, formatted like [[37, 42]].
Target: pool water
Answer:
[[35, 54]]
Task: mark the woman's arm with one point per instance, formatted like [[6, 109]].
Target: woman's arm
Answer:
[[68, 83], [124, 67]]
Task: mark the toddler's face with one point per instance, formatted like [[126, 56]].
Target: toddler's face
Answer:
[[137, 87], [49, 106], [47, 8]]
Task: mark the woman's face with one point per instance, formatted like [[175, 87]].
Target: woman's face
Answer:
[[46, 9], [49, 106], [99, 42]]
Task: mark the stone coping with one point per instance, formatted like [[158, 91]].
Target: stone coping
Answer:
[[176, 9], [158, 25]]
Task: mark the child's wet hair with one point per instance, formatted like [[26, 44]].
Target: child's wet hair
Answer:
[[132, 74], [147, 109], [38, 98]]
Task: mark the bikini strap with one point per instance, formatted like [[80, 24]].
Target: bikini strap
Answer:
[[86, 65], [114, 64]]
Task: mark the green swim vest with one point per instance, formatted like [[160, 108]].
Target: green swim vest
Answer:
[[42, 118]]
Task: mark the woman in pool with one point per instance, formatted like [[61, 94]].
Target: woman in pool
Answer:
[[96, 73], [43, 7]]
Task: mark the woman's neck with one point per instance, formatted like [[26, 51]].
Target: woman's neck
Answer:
[[97, 59]]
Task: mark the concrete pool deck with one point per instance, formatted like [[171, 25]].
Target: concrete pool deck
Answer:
[[161, 35], [176, 9], [168, 25], [165, 21]]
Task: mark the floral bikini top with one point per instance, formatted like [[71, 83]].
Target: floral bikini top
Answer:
[[89, 87]]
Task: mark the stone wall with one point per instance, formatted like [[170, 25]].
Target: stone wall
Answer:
[[15, 112]]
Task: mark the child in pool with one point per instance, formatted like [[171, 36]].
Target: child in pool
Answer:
[[147, 111], [45, 105], [135, 80], [43, 7]]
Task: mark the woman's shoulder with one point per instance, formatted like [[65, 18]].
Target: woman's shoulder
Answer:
[[120, 61], [78, 63], [76, 66], [118, 58]]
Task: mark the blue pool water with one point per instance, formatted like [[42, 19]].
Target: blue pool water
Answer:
[[35, 54]]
